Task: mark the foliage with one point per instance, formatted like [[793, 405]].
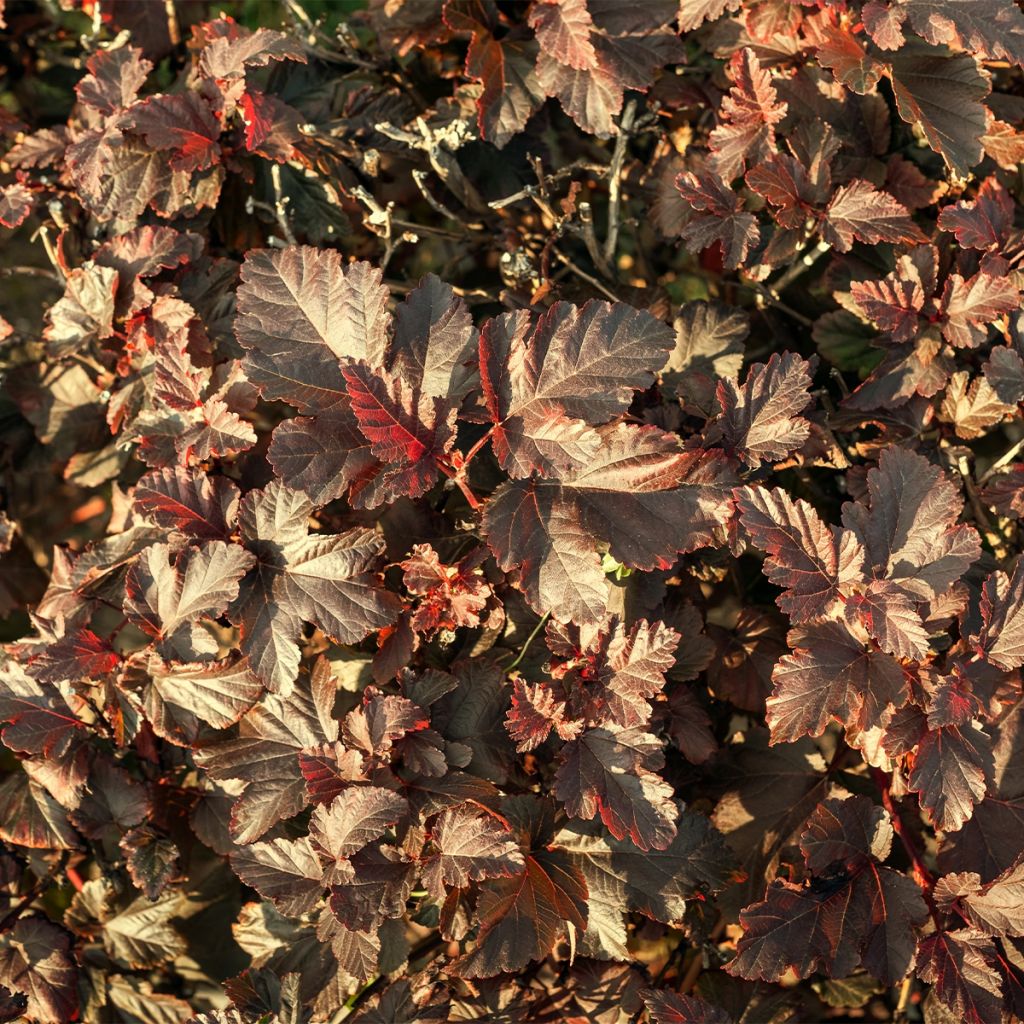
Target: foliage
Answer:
[[511, 511]]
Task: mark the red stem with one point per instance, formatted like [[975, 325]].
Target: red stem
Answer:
[[921, 874], [475, 450], [460, 482]]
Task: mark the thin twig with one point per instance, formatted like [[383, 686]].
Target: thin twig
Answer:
[[582, 274], [905, 989], [801, 266], [1005, 459], [615, 182], [529, 640], [959, 462], [38, 888], [280, 201], [586, 212]]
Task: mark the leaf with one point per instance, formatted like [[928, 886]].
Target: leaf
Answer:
[[29, 816], [747, 118], [534, 712], [995, 908], [667, 1007], [814, 563], [949, 772], [1002, 611], [614, 671], [563, 30], [718, 217], [831, 675], [168, 592], [1004, 373], [152, 859], [614, 774], [322, 455], [355, 818], [285, 871], [522, 916], [660, 884], [761, 422], [300, 311], [970, 306], [143, 933], [991, 28], [85, 312], [450, 596], [960, 966], [195, 503], [573, 364], [16, 203], [178, 699], [642, 495], [329, 580], [37, 959], [942, 93], [182, 122], [982, 223], [506, 69], [908, 526], [377, 893], [265, 755], [859, 212], [471, 846], [861, 915], [37, 715], [693, 12], [890, 617], [709, 345], [411, 434]]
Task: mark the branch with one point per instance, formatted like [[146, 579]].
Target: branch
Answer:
[[529, 640], [38, 888], [615, 182]]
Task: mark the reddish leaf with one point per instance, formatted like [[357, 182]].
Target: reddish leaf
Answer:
[[862, 914], [535, 711], [471, 846], [1002, 611], [672, 1008], [16, 203], [521, 917], [831, 674], [285, 871], [264, 755], [815, 563], [352, 820], [563, 30], [193, 502], [859, 212], [761, 422], [574, 364], [949, 771], [748, 116], [908, 526], [183, 123], [718, 217], [329, 580], [410, 433], [960, 964], [942, 93], [642, 495], [982, 223], [613, 773], [168, 593]]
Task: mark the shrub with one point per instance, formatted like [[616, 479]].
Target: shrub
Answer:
[[511, 511]]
